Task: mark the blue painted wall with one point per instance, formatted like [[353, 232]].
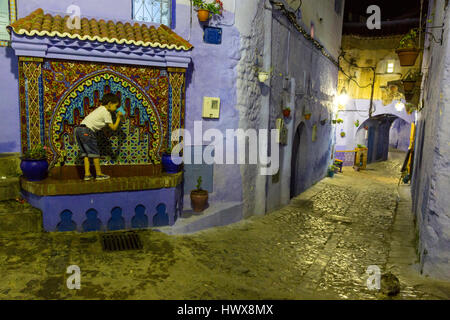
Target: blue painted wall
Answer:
[[9, 93], [431, 177]]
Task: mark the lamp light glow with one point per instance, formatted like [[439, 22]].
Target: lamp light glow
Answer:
[[343, 97], [399, 106]]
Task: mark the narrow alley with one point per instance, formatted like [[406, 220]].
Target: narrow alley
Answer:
[[318, 247]]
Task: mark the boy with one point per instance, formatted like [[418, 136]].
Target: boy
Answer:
[[85, 133]]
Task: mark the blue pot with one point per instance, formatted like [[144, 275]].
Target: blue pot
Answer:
[[330, 173], [34, 170], [168, 164]]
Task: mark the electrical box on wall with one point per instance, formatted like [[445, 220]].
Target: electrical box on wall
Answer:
[[212, 35], [211, 107]]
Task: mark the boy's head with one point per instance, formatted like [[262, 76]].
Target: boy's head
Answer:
[[110, 101]]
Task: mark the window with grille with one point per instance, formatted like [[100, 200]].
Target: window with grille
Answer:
[[4, 20], [157, 11]]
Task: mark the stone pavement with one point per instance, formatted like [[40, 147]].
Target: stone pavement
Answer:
[[318, 247]]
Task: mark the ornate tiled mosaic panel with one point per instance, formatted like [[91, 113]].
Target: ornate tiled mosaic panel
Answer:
[[56, 95]]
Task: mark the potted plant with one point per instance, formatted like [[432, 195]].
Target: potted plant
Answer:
[[342, 134], [357, 123], [199, 197], [332, 170], [34, 163], [407, 51], [204, 9], [411, 79], [171, 163], [307, 115], [286, 112], [410, 108], [323, 122]]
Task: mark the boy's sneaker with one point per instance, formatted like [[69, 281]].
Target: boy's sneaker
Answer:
[[88, 178], [102, 177]]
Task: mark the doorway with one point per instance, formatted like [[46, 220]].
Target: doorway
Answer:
[[298, 161]]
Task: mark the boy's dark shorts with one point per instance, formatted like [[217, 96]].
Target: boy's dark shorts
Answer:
[[87, 142]]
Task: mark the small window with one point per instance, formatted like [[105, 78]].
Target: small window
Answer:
[[156, 11], [390, 66], [4, 20]]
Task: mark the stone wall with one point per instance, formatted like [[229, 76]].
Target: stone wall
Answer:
[[304, 80], [431, 177]]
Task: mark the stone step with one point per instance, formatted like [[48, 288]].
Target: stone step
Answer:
[[9, 188], [10, 165], [217, 215], [18, 217]]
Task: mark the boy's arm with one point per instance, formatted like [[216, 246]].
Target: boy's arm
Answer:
[[116, 125]]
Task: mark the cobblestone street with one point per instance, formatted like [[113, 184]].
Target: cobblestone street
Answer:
[[318, 247]]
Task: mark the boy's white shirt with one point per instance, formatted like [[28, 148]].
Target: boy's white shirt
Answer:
[[97, 119]]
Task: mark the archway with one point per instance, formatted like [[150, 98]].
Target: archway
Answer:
[[375, 133], [298, 161]]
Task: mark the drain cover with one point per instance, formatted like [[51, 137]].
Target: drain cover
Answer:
[[121, 241]]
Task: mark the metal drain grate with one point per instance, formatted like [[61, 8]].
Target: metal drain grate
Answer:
[[121, 241]]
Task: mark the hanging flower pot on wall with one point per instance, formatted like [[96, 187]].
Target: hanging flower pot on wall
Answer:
[[407, 51], [409, 85], [286, 112], [205, 10], [263, 76], [307, 115], [407, 56], [342, 134], [203, 15]]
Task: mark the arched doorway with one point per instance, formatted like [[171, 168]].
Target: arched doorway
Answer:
[[375, 133], [298, 161]]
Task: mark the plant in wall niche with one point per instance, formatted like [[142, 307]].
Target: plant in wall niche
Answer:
[[342, 134], [34, 163], [204, 9], [407, 50], [199, 197], [286, 112]]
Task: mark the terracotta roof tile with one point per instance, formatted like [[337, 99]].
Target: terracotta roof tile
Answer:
[[40, 24]]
